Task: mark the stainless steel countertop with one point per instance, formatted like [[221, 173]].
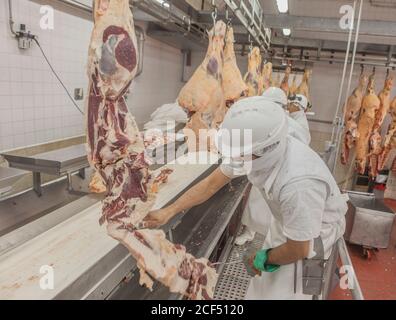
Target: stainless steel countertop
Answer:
[[56, 162]]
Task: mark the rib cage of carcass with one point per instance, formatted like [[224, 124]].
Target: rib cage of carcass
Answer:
[[116, 150]]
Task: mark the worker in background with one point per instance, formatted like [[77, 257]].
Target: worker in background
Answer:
[[308, 210], [257, 215], [297, 107]]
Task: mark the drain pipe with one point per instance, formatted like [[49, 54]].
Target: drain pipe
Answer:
[[341, 124], [10, 18], [141, 37], [336, 117]]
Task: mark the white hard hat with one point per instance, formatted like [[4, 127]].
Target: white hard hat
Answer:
[[276, 95], [300, 100], [251, 126]]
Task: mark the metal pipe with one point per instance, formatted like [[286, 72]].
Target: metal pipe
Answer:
[[141, 41], [10, 18], [364, 62], [184, 53], [320, 121], [341, 124], [335, 120], [346, 261]]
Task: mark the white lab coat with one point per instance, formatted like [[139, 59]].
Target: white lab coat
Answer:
[[257, 214], [305, 202]]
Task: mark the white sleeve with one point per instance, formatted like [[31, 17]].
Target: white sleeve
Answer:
[[232, 169], [302, 208]]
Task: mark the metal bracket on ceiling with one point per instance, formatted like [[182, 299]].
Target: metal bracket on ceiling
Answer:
[[188, 24]]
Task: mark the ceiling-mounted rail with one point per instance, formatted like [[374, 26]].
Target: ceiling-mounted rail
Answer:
[[251, 16]]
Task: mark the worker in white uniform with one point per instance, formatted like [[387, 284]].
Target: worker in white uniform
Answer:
[[256, 216], [305, 201], [297, 107]]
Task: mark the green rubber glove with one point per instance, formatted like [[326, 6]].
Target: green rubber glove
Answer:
[[260, 262]]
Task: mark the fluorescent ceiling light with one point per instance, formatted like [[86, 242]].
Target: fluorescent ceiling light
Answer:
[[283, 5], [164, 3], [286, 32]]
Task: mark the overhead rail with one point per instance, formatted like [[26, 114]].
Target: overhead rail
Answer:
[[251, 16]]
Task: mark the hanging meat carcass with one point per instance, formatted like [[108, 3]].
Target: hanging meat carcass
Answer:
[[390, 138], [303, 88], [234, 87], [267, 75], [353, 106], [202, 96], [293, 86], [285, 82], [375, 138], [253, 77], [370, 105], [116, 150]]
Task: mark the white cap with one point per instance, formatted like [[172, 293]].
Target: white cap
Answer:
[[251, 126], [276, 95], [300, 100]]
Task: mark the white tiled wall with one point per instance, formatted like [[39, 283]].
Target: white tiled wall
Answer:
[[33, 106]]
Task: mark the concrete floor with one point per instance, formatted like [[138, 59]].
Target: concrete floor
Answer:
[[377, 276]]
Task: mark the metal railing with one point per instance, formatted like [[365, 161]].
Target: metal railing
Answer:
[[356, 291]]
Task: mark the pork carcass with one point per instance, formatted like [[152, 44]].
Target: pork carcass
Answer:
[[293, 86], [202, 96], [390, 138], [370, 105], [352, 111], [116, 150], [267, 75], [303, 88], [253, 77], [375, 138], [234, 87], [285, 82]]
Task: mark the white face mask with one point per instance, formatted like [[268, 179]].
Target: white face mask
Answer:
[[262, 167]]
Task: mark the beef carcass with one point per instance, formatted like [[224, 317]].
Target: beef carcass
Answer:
[[370, 105], [267, 75], [234, 87], [303, 88], [352, 111], [202, 96], [253, 77], [116, 150], [375, 138], [390, 138], [285, 82], [293, 86]]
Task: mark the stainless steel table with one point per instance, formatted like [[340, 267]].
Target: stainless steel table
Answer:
[[8, 176], [59, 162]]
